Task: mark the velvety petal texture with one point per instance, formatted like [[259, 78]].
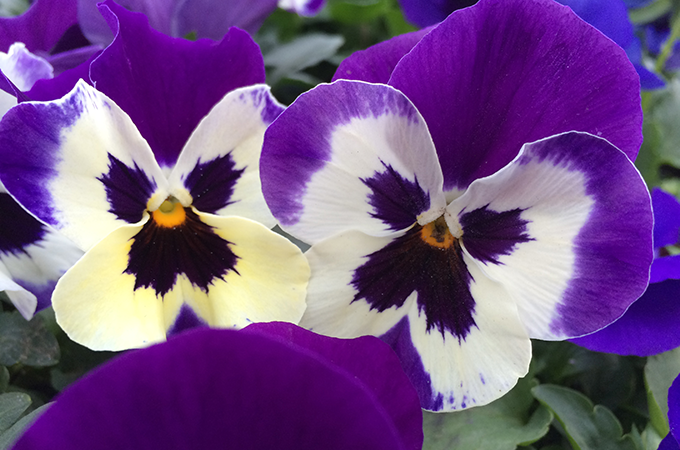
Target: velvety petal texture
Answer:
[[270, 386], [457, 260], [196, 75], [498, 86], [672, 441]]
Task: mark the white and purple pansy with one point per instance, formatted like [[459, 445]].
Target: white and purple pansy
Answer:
[[482, 199], [162, 193]]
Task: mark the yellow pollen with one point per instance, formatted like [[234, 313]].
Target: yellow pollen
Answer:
[[170, 214], [437, 234]]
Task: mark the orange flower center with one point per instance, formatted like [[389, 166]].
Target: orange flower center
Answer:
[[437, 234], [170, 214]]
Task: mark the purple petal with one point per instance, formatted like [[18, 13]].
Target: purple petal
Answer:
[[212, 19], [62, 84], [608, 16], [39, 28], [648, 327], [159, 13], [669, 443], [674, 409], [506, 76], [207, 387], [376, 63], [424, 13], [395, 395], [666, 218], [664, 268], [168, 85]]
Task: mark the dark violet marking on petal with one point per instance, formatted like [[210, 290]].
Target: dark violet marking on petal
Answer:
[[487, 234], [159, 254], [396, 200], [212, 183], [127, 190], [399, 338], [438, 275], [186, 319], [18, 229]]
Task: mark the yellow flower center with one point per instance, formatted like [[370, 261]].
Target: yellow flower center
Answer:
[[437, 234], [170, 214]]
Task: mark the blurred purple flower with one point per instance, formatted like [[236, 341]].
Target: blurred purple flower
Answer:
[[608, 16], [49, 29], [650, 325], [200, 18], [269, 386]]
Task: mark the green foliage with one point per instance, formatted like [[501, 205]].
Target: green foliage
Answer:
[[9, 437], [586, 426], [660, 372], [26, 342], [512, 420]]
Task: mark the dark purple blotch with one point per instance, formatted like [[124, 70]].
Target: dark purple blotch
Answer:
[[438, 275], [488, 234], [395, 200], [18, 229], [127, 190], [399, 338], [159, 254], [186, 320], [212, 183]]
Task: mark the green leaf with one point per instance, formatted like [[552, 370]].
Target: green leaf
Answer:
[[660, 372], [9, 437], [12, 406], [303, 52], [503, 424], [4, 379], [26, 342], [358, 11], [662, 113], [586, 427]]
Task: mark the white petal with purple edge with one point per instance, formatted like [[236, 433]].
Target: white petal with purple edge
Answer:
[[565, 228], [363, 160], [218, 170], [79, 164]]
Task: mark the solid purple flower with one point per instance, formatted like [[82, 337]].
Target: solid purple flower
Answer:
[[478, 199], [650, 325], [269, 386]]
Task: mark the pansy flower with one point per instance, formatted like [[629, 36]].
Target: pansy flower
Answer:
[[672, 440], [155, 175], [269, 386], [480, 199], [650, 325]]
